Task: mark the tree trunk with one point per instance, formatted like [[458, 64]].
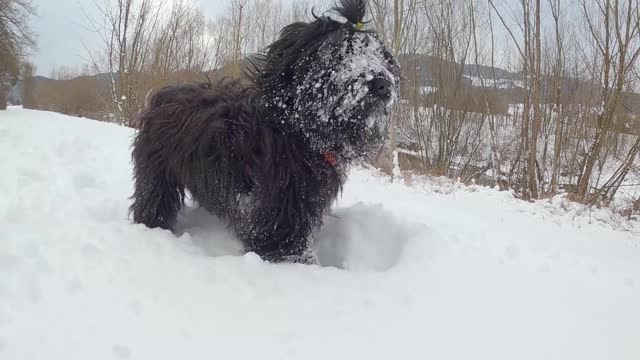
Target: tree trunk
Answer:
[[590, 161], [536, 100], [393, 121]]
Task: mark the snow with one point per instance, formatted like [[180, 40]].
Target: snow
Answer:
[[396, 164], [497, 83], [424, 270], [427, 89]]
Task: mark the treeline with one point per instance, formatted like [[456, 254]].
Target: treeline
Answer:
[[563, 118], [146, 44], [572, 121]]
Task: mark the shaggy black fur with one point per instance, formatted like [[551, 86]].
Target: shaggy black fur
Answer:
[[271, 156]]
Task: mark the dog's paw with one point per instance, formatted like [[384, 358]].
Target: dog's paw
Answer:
[[307, 257]]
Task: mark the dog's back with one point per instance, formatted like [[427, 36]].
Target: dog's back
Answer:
[[194, 136]]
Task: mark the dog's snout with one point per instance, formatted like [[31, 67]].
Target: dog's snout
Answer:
[[381, 87]]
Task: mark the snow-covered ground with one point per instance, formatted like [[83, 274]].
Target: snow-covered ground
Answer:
[[489, 82], [428, 271], [473, 149]]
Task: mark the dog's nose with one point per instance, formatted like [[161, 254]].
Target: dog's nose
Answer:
[[381, 87]]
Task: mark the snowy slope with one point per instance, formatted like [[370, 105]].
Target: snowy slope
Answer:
[[468, 273]]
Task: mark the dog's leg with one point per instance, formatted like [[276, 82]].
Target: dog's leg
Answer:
[[280, 230], [157, 198], [272, 235]]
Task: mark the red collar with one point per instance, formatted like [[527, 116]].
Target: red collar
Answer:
[[330, 157]]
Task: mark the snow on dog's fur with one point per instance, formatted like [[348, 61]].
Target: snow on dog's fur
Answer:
[[270, 157]]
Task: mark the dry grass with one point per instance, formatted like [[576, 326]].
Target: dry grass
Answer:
[[3, 99]]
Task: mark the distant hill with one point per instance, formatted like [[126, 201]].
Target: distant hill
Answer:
[[15, 93], [426, 68], [428, 71]]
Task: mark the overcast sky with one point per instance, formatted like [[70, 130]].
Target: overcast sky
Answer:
[[61, 29]]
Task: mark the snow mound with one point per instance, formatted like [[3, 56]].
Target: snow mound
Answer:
[[362, 238], [358, 238], [409, 272]]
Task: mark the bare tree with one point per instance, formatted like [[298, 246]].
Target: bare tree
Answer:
[[394, 20], [266, 18], [237, 15], [558, 73], [219, 49], [182, 44], [16, 39], [614, 28], [126, 29], [529, 48]]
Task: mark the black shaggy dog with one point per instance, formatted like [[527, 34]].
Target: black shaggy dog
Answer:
[[271, 155]]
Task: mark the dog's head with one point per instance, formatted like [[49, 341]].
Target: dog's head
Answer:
[[332, 80]]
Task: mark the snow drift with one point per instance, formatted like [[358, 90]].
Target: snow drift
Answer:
[[410, 272]]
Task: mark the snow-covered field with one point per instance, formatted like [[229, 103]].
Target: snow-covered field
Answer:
[[431, 271], [473, 150]]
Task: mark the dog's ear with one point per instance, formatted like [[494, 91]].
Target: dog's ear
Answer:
[[296, 40], [253, 64], [352, 10]]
